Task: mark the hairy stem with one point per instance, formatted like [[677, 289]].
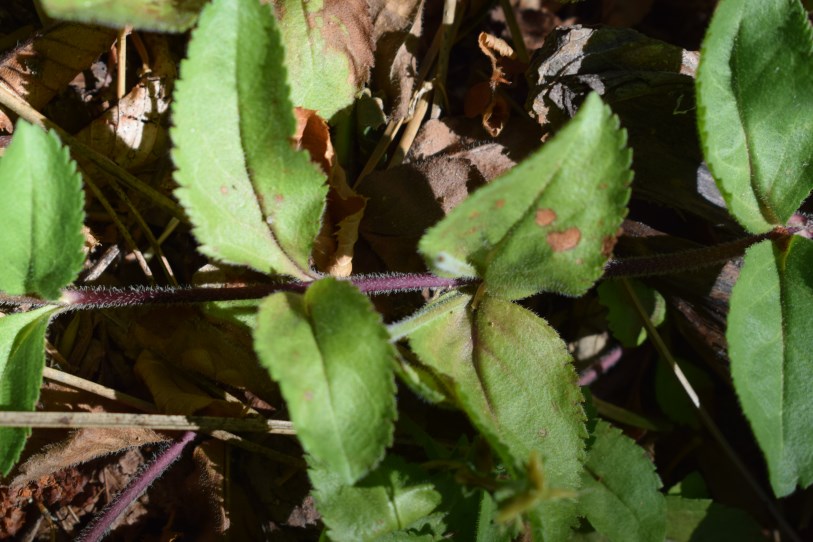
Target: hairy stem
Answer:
[[165, 458]]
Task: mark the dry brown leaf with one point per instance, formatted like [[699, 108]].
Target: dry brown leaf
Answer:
[[483, 98], [82, 446], [218, 351], [43, 66], [397, 29], [333, 248], [210, 482], [353, 36], [134, 132], [175, 393]]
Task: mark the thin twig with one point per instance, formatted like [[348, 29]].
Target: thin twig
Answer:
[[516, 33], [158, 422]]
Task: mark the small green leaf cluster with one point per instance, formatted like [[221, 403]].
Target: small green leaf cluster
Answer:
[[547, 225]]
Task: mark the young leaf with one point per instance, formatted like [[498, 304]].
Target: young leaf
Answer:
[[513, 377], [620, 493], [392, 498], [768, 334], [43, 210], [550, 223], [156, 15], [333, 360], [22, 356], [252, 198], [621, 316], [701, 520], [757, 59], [328, 51]]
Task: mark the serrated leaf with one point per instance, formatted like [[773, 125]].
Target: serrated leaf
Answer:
[[550, 223], [328, 51], [769, 324], [154, 15], [22, 357], [513, 377], [333, 360], [43, 210], [252, 198], [624, 322], [701, 520], [390, 500], [619, 493], [756, 60]]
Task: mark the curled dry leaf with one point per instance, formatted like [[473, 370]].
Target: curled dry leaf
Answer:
[[333, 248], [397, 28], [134, 132], [82, 446], [483, 98], [43, 66]]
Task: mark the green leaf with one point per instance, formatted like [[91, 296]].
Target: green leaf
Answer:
[[768, 335], [624, 322], [757, 60], [701, 520], [620, 493], [550, 223], [22, 356], [328, 51], [154, 15], [42, 208], [252, 198], [513, 377], [394, 497], [333, 360]]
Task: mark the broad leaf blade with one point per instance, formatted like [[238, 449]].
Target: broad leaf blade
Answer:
[[22, 356], [771, 363], [328, 51], [333, 360], [550, 223], [756, 69], [155, 15], [620, 493], [390, 499], [43, 210], [252, 198], [513, 377], [621, 316]]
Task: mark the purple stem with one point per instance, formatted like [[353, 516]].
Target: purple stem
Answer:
[[101, 524]]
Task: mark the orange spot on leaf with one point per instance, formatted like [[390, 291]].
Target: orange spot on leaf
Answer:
[[499, 204], [562, 241], [545, 217]]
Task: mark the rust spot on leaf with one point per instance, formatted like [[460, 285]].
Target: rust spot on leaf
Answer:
[[279, 198], [608, 243], [545, 217], [474, 214], [308, 395], [224, 190], [562, 241], [499, 204]]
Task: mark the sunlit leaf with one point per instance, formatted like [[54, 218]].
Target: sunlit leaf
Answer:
[[333, 360], [391, 500], [22, 357], [155, 15], [512, 375], [328, 51], [620, 493], [42, 208], [756, 70], [550, 223], [771, 361], [252, 198]]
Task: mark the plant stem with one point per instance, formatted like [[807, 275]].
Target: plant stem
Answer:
[[99, 527], [402, 328]]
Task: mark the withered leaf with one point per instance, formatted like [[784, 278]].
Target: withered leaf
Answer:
[[43, 66]]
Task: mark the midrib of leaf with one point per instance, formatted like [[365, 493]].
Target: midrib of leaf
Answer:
[[268, 221], [764, 207]]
